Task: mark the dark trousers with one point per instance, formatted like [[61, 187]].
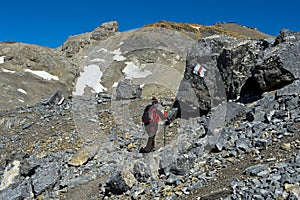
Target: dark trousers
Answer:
[[151, 130], [150, 144]]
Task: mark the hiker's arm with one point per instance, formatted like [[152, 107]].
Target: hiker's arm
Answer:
[[163, 116]]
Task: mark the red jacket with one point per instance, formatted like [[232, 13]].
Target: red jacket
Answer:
[[157, 115]]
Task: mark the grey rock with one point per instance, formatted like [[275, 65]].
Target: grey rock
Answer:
[[119, 182], [105, 30], [243, 145], [291, 128], [264, 192], [127, 90], [297, 119], [265, 70], [286, 35], [28, 167], [178, 171], [220, 143], [45, 177], [172, 179], [27, 125], [258, 197], [261, 143], [292, 103], [235, 111], [297, 158], [209, 92], [74, 44], [290, 89], [141, 171], [55, 98], [19, 190], [256, 169], [264, 173], [250, 116], [281, 165]]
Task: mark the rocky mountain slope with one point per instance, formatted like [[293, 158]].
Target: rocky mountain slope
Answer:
[[70, 117]]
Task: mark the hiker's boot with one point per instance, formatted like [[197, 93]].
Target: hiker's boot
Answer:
[[142, 150]]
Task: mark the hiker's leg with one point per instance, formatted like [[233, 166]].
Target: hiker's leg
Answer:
[[151, 130], [150, 144], [153, 143]]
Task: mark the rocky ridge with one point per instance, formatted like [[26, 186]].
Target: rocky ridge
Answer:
[[89, 148]]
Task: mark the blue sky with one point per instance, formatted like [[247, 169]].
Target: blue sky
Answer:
[[49, 23]]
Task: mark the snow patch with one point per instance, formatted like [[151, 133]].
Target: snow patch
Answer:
[[2, 59], [97, 60], [43, 74], [133, 71], [102, 49], [7, 71], [196, 27], [90, 77], [22, 91], [115, 84], [118, 56]]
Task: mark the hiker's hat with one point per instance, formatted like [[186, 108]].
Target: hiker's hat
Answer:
[[154, 100]]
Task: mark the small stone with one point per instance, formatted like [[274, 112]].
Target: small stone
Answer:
[[231, 159], [297, 119], [294, 188], [225, 154], [128, 178], [79, 158], [256, 169], [286, 146], [127, 136], [27, 125], [271, 159], [202, 164], [130, 146], [264, 173]]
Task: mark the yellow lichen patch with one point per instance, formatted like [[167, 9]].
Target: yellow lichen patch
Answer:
[[195, 30], [177, 26]]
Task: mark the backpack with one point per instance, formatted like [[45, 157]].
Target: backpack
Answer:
[[146, 118]]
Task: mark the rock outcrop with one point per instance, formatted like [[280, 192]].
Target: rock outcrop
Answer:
[[247, 68]]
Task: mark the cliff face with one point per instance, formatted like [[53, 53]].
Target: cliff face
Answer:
[[71, 117]]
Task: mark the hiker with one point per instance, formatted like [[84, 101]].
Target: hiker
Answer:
[[151, 117]]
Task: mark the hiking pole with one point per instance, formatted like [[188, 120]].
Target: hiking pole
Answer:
[[164, 134]]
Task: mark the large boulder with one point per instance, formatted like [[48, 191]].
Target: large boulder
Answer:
[[126, 89], [120, 181], [245, 68]]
